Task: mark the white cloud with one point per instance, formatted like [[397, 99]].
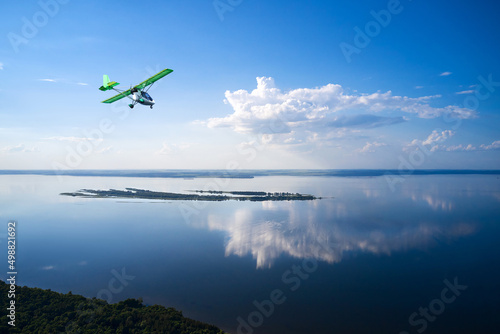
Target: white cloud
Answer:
[[64, 81], [465, 92], [469, 147], [370, 147], [460, 148], [436, 138], [11, 149], [433, 140], [493, 146], [19, 148], [32, 150], [419, 87], [48, 267], [444, 74], [104, 150], [71, 139], [172, 148], [269, 110]]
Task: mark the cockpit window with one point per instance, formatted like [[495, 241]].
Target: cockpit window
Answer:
[[147, 96]]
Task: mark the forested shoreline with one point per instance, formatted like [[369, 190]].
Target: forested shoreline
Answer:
[[46, 311]]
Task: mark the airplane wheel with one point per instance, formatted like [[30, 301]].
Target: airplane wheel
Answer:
[[151, 107], [131, 106]]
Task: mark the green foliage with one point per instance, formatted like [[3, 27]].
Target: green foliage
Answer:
[[47, 312]]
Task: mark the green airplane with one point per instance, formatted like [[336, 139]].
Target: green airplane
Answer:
[[137, 93]]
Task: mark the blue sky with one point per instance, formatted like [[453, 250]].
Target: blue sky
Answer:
[[256, 84]]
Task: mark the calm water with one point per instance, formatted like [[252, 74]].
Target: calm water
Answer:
[[364, 259]]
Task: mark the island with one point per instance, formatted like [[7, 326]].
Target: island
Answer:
[[195, 195]]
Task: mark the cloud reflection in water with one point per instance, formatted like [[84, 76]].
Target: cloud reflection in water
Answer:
[[302, 229]]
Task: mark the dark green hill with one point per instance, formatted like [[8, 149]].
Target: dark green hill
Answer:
[[45, 311]]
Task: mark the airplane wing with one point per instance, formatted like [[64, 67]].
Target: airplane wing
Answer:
[[118, 97], [153, 79]]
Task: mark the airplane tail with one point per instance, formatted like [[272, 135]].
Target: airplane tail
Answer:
[[107, 84]]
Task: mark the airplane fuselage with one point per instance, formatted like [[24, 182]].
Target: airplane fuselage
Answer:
[[142, 98]]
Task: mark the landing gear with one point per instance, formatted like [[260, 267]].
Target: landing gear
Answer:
[[131, 106], [151, 107]]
